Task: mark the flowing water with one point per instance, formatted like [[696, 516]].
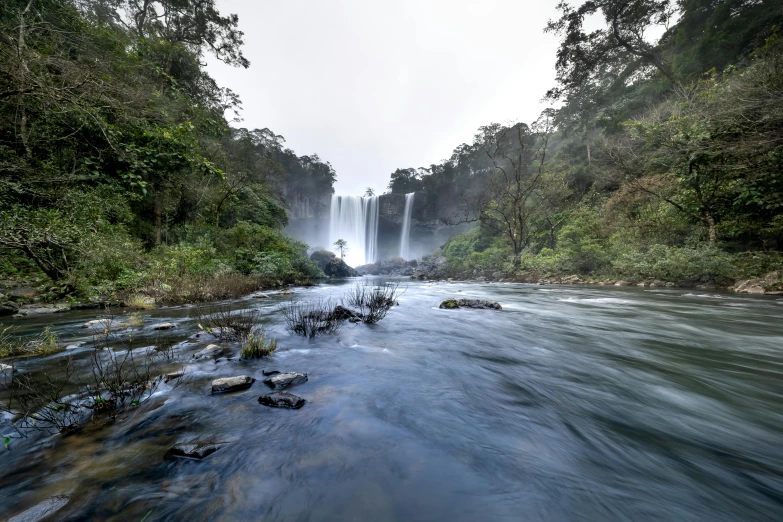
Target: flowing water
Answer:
[[355, 220], [572, 403], [405, 235]]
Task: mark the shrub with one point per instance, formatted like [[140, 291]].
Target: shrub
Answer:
[[373, 302], [311, 318], [227, 324], [45, 343]]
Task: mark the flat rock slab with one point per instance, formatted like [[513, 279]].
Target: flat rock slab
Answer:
[[259, 295], [100, 324], [284, 380], [228, 384], [449, 304], [43, 309], [212, 350], [42, 510], [194, 450], [164, 326], [174, 375], [282, 400]]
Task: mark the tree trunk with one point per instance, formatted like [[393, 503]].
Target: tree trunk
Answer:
[[711, 226], [158, 220]]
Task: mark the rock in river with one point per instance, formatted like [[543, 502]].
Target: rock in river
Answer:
[[470, 303], [164, 326], [194, 450], [42, 510], [282, 400], [228, 384], [284, 380], [212, 351]]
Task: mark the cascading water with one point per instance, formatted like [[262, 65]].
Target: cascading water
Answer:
[[355, 219], [405, 236]]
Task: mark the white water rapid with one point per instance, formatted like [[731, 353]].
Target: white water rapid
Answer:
[[405, 236], [355, 219]]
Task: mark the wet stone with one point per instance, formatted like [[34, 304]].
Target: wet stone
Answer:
[[174, 375], [470, 303], [164, 326], [212, 350], [284, 380], [228, 384], [194, 450], [269, 372], [42, 510], [282, 400]]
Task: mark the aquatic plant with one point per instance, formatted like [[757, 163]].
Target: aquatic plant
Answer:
[[311, 318], [226, 324], [373, 302], [255, 345]]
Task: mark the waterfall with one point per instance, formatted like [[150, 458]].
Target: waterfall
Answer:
[[405, 236], [355, 219]]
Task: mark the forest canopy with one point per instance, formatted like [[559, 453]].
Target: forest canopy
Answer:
[[118, 167]]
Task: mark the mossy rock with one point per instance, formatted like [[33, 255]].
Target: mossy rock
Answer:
[[480, 304]]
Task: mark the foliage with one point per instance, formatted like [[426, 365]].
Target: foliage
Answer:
[[118, 169], [45, 343]]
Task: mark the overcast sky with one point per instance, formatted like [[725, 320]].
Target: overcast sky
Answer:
[[372, 86]]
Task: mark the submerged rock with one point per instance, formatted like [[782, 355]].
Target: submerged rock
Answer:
[[282, 400], [212, 351], [229, 384], [42, 510], [284, 380], [449, 304], [269, 372], [259, 295], [194, 450], [164, 326], [100, 324]]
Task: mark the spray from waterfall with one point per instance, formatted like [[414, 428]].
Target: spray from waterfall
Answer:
[[405, 236], [355, 219]]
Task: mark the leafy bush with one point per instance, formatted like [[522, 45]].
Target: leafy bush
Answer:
[[684, 265]]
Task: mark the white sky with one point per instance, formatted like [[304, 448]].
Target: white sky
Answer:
[[374, 85]]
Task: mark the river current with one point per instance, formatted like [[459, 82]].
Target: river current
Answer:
[[572, 403]]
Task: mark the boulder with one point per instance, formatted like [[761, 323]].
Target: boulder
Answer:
[[322, 257], [6, 375], [338, 268], [282, 400], [194, 450], [210, 351], [449, 304], [41, 511], [229, 384], [284, 380], [8, 308], [769, 284], [269, 372], [164, 326]]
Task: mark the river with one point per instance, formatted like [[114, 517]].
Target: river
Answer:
[[573, 403]]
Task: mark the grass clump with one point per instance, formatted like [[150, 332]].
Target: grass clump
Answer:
[[256, 345], [45, 343], [141, 302]]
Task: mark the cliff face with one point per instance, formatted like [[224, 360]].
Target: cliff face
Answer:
[[309, 222]]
